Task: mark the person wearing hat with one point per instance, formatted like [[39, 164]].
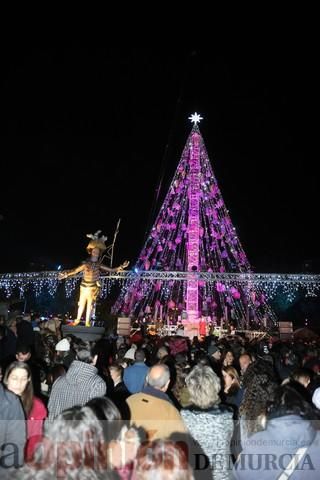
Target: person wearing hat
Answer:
[[316, 398], [25, 354], [64, 354], [214, 351], [129, 355], [91, 268], [63, 346], [214, 354]]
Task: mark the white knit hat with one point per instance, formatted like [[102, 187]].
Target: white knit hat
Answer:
[[63, 346], [316, 397], [131, 352]]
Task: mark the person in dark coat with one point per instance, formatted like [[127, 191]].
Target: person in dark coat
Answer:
[[25, 331], [64, 353], [214, 355], [232, 391], [8, 342], [119, 393]]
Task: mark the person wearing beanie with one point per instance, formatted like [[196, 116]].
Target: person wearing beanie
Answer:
[[24, 354], [64, 354], [129, 355], [316, 398], [63, 346], [214, 354], [213, 350]]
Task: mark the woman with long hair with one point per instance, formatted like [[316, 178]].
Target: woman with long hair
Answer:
[[18, 380], [259, 383], [108, 415], [288, 446], [227, 358], [232, 390]]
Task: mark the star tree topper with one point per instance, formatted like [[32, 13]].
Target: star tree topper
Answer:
[[195, 118]]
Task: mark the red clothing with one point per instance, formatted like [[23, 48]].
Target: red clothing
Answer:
[[35, 427], [202, 328]]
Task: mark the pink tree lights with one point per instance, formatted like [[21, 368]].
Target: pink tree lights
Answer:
[[193, 229], [193, 233]]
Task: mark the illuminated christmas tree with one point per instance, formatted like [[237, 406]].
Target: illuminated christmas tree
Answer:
[[193, 233]]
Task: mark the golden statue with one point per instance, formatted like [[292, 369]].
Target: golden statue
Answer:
[[90, 283]]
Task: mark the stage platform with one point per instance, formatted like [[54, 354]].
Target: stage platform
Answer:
[[87, 334]]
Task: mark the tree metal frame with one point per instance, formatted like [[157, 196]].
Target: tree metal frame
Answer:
[[277, 279]]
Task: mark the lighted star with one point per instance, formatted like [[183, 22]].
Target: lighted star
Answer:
[[195, 118]]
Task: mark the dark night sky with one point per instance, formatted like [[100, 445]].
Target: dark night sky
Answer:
[[123, 114]]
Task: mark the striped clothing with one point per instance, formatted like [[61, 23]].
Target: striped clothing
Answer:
[[76, 387]]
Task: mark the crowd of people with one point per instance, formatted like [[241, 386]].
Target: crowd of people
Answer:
[[145, 407]]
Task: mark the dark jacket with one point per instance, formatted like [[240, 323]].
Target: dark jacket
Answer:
[[234, 399], [12, 430], [120, 392], [25, 333], [118, 395], [8, 346]]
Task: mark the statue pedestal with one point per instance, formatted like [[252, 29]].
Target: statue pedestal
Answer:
[[87, 334]]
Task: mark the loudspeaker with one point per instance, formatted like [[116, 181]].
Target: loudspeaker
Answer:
[[124, 326], [286, 330]]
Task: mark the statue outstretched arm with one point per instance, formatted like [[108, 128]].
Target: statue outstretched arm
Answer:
[[70, 273], [124, 265]]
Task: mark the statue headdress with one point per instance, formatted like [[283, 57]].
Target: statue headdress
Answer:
[[96, 241]]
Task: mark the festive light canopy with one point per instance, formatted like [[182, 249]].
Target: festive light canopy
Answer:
[[268, 281]]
